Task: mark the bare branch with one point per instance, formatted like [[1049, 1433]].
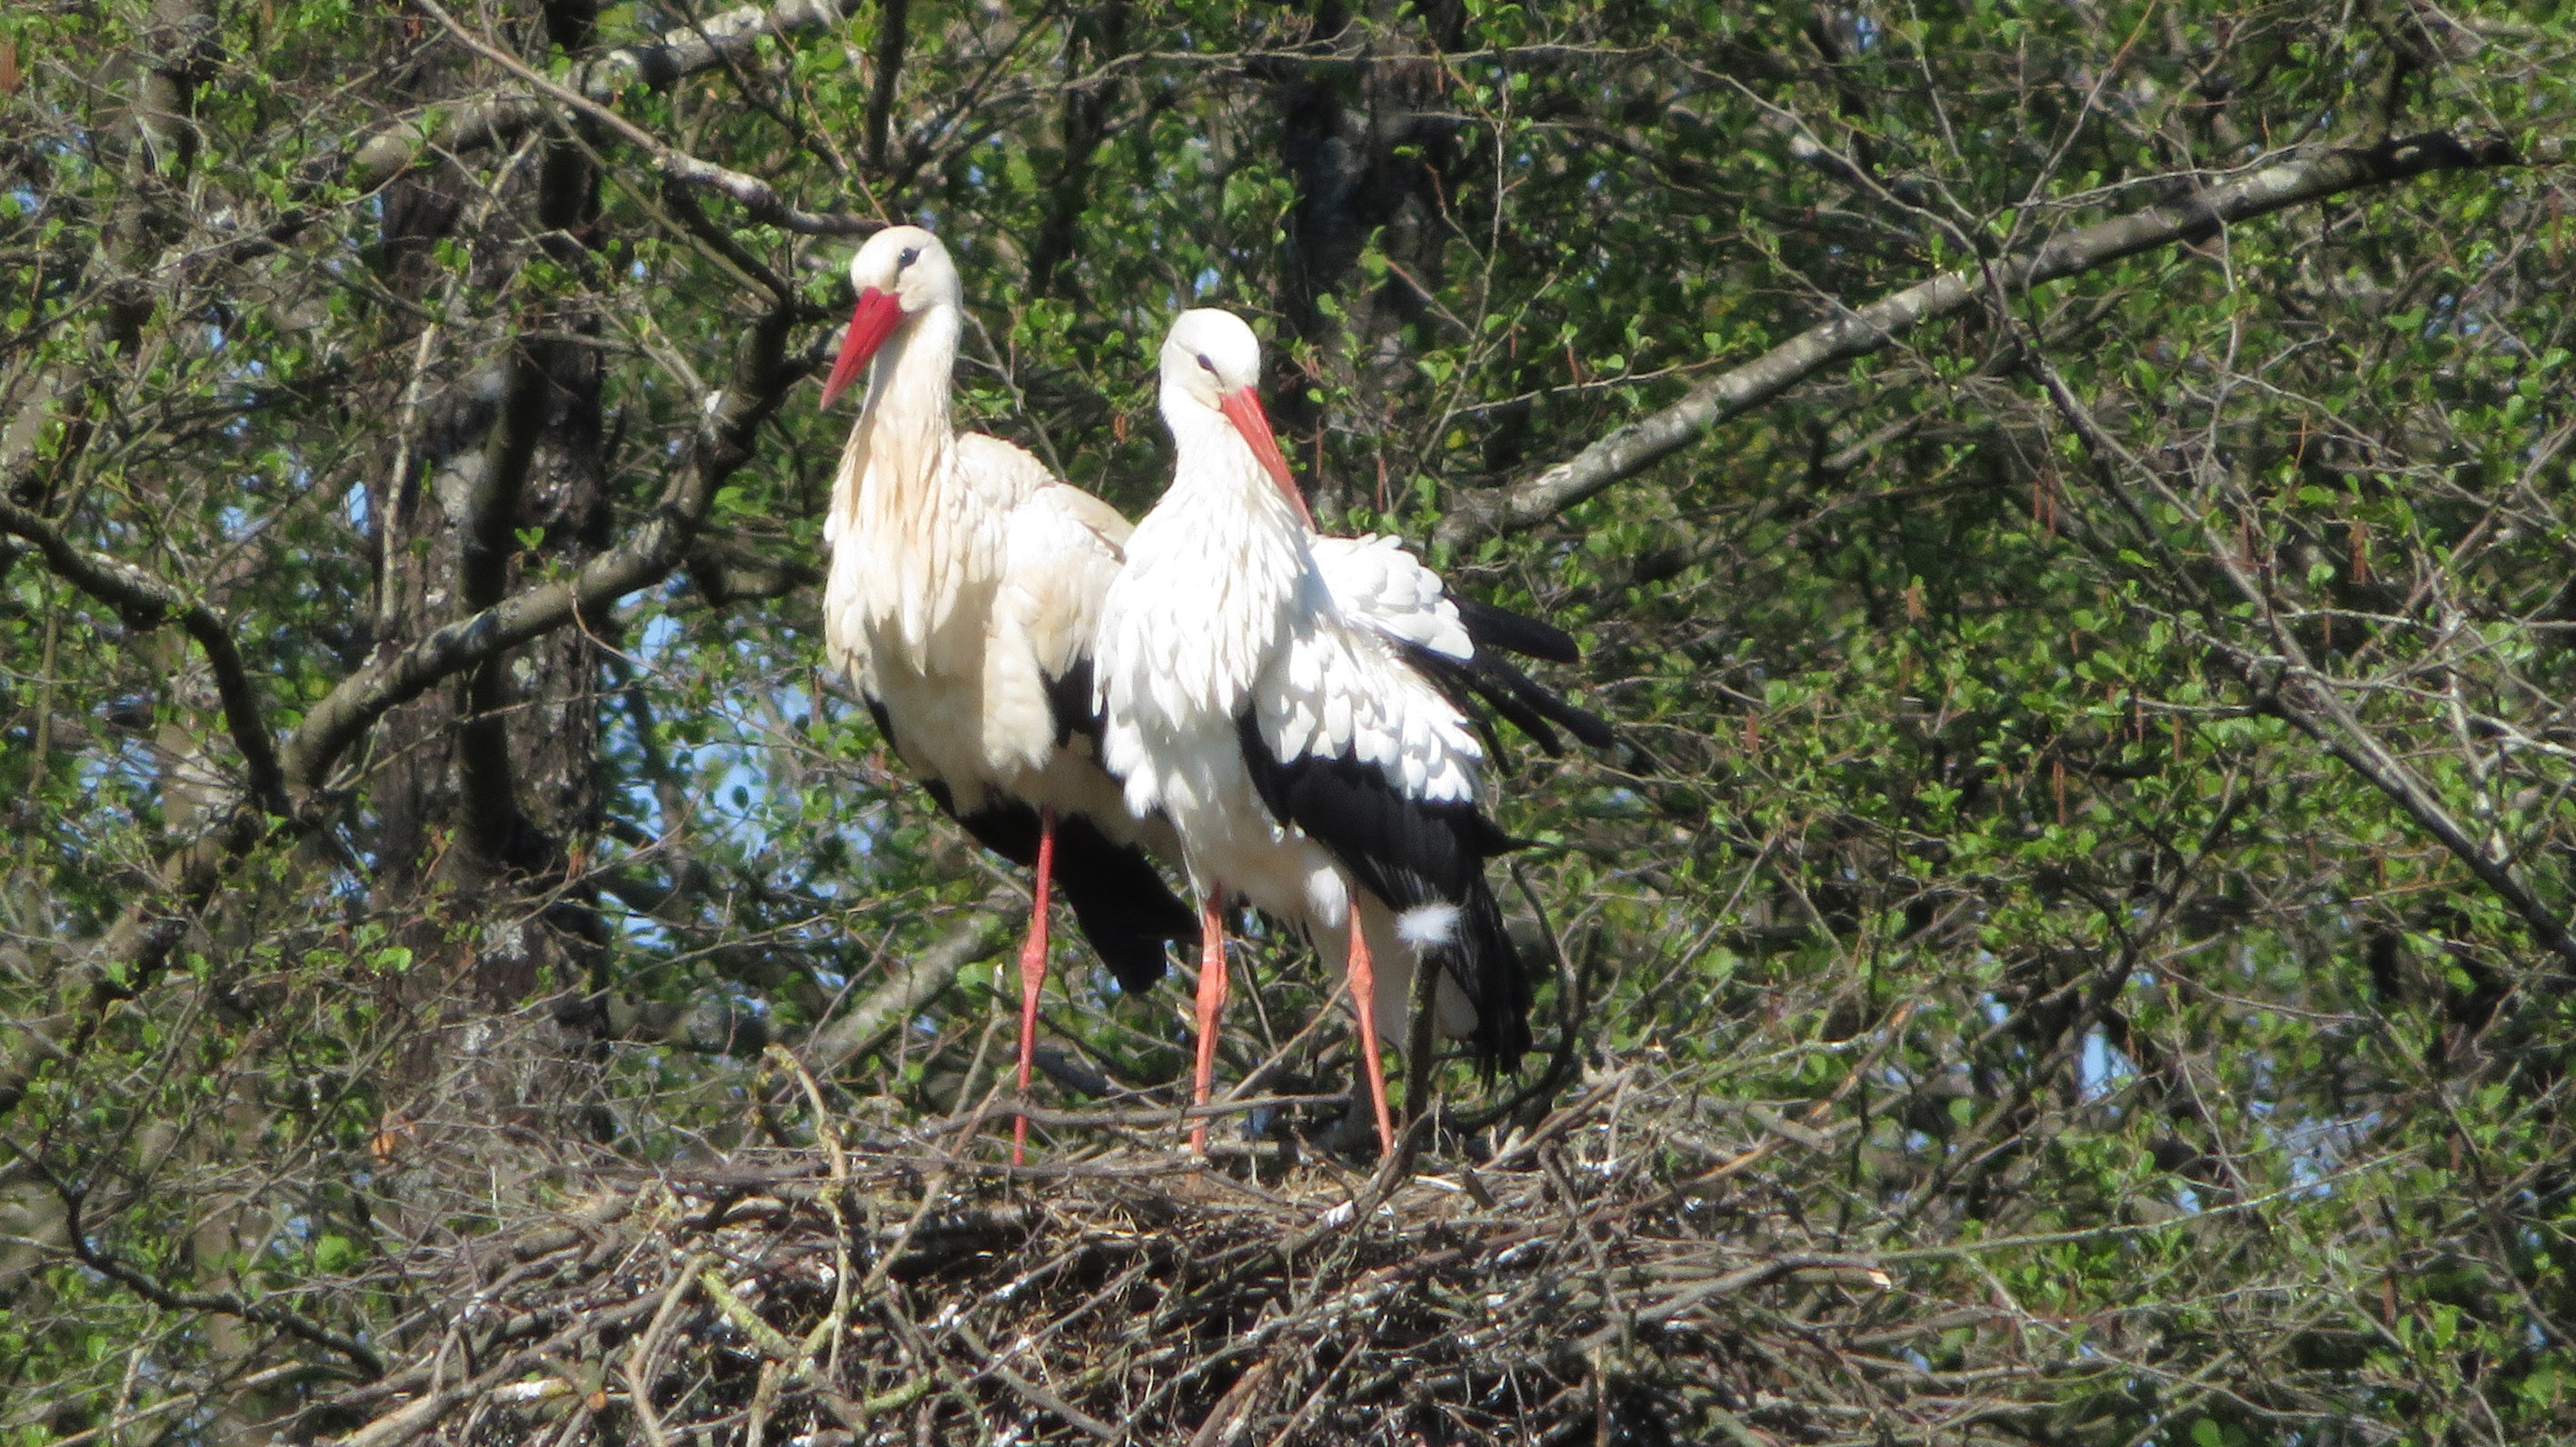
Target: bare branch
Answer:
[[145, 603], [1629, 450], [680, 53], [758, 197]]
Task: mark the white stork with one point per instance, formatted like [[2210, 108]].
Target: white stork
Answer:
[[965, 584], [1296, 706]]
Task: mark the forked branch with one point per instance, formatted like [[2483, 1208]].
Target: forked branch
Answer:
[[145, 603]]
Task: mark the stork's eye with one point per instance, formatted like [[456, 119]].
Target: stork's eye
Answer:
[[1204, 362], [910, 255]]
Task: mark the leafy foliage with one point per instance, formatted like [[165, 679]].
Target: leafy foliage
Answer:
[[2132, 713]]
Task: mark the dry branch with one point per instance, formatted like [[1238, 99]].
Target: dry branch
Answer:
[[756, 196], [678, 54], [1626, 451]]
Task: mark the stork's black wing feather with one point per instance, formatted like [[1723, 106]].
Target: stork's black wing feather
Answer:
[[1497, 677], [1410, 852], [1501, 687], [1492, 627], [1076, 711], [1119, 900], [1512, 695]]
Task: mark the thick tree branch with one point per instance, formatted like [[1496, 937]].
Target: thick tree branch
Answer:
[[724, 444], [729, 570], [492, 501], [497, 498], [874, 1020], [1084, 119], [756, 196], [888, 61], [483, 567], [145, 603], [1629, 450], [679, 54]]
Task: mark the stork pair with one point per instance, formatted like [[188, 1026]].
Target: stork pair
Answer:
[[1279, 712]]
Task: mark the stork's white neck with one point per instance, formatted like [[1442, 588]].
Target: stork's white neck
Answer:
[[905, 419], [909, 539], [1214, 466], [909, 377], [901, 442], [1216, 576]]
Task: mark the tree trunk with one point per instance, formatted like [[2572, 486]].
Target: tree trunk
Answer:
[[485, 790], [1373, 153]]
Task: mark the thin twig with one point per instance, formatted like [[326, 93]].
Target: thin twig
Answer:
[[762, 200]]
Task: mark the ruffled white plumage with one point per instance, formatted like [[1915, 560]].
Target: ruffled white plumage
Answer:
[[1301, 629], [1377, 582], [1229, 602], [963, 576]]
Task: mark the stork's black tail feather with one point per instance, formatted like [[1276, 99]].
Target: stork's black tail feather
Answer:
[[1479, 954], [1488, 968], [1119, 899], [1121, 902]]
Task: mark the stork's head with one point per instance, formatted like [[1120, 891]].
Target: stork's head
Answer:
[[1212, 360], [902, 272]]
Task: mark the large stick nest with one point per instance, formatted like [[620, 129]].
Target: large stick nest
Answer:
[[1635, 1268]]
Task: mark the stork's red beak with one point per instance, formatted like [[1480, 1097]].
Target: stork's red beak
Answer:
[[1243, 409], [871, 322]]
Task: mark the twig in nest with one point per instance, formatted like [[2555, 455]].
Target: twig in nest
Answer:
[[1035, 1395], [640, 1364], [838, 1198]]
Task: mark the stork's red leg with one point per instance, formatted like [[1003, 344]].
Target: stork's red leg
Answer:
[[1033, 963], [1211, 1005], [1363, 978]]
